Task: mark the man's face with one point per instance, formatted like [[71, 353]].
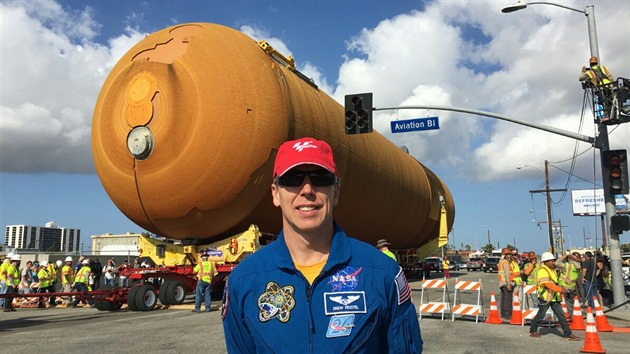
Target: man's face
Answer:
[[550, 263], [306, 208]]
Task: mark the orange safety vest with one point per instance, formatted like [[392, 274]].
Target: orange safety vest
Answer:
[[500, 271]]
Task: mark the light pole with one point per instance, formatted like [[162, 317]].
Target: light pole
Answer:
[[602, 143]]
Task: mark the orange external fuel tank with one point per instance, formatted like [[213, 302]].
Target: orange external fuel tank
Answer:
[[187, 125]]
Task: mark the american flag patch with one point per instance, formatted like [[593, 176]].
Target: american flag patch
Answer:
[[404, 292]]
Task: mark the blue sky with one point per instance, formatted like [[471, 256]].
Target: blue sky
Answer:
[[56, 55]]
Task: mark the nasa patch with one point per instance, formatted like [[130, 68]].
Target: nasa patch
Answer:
[[346, 279]]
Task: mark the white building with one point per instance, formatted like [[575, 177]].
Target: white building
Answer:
[[116, 245], [48, 238]]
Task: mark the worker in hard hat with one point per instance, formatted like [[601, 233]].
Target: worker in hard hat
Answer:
[[549, 295], [569, 268], [67, 279], [81, 282], [530, 272], [205, 271], [12, 279], [3, 276], [505, 270], [45, 281], [516, 269], [598, 75], [599, 78]]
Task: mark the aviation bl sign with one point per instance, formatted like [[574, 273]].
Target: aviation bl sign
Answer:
[[411, 125]]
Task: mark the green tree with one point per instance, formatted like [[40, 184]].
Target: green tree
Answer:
[[625, 248], [488, 248]]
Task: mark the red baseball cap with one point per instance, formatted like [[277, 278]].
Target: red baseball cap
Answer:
[[304, 151]]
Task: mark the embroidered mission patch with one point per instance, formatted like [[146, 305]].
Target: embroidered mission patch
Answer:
[[276, 302], [340, 326], [344, 302]]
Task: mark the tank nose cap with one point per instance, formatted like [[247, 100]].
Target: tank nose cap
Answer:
[[140, 143]]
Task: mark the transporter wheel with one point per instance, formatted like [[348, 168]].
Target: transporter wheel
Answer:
[[176, 293], [131, 298], [146, 298], [164, 291]]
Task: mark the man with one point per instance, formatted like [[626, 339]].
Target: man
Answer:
[[12, 278], [516, 269], [382, 246], [45, 284], [81, 282], [3, 276], [505, 272], [549, 295], [122, 270], [589, 278], [315, 288], [26, 277], [598, 75], [599, 79], [67, 278], [97, 270], [445, 267], [531, 272], [110, 273], [205, 271], [569, 267]]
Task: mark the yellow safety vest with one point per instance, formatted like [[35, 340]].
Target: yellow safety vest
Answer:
[[595, 78], [3, 272], [13, 273], [205, 271], [66, 275], [82, 274], [546, 275], [44, 278], [516, 273], [568, 277], [532, 277]]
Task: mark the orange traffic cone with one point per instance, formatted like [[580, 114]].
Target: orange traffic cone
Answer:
[[517, 315], [591, 339], [494, 317], [578, 321], [564, 309], [600, 318]]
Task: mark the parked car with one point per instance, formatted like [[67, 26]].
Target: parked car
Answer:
[[491, 264], [625, 269], [435, 263], [454, 265], [474, 264]]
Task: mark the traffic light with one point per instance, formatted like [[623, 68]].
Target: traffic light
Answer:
[[358, 113], [616, 170]]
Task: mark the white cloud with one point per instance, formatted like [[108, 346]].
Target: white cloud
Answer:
[[51, 73], [522, 65]]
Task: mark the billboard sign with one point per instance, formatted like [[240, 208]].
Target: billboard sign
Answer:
[[588, 202]]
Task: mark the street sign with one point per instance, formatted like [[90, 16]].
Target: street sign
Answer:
[[416, 124]]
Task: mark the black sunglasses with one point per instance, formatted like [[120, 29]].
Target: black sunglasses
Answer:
[[318, 178]]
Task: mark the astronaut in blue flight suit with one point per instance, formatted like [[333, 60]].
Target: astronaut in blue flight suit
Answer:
[[315, 289]]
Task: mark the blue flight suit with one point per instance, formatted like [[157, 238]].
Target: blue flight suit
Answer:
[[360, 303]]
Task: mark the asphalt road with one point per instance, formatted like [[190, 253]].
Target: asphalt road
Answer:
[[177, 329]]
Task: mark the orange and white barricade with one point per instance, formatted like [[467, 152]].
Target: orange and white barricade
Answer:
[[429, 307], [461, 309], [528, 313]]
